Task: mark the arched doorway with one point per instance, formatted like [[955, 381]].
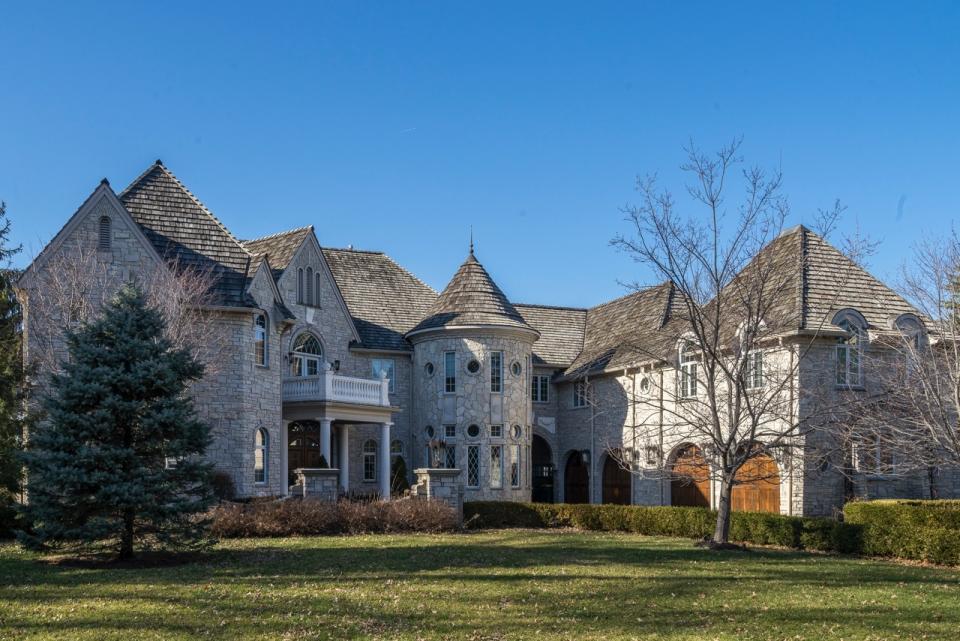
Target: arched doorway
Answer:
[[543, 470], [690, 478], [576, 480], [303, 446], [757, 486], [616, 481]]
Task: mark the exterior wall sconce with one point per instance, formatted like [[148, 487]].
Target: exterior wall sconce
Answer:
[[336, 365], [585, 456]]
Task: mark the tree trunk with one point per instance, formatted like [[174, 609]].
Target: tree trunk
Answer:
[[721, 534], [126, 538]]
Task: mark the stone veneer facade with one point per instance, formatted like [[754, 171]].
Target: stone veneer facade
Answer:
[[238, 397]]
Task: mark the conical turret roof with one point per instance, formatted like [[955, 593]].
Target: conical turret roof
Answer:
[[470, 299]]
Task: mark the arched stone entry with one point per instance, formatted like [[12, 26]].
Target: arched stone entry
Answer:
[[303, 446], [543, 471], [689, 478], [616, 481], [576, 480], [757, 486]]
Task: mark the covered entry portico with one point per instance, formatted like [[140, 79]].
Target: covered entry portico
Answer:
[[325, 407]]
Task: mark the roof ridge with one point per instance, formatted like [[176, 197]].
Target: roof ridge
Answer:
[[159, 164], [542, 306], [354, 250], [635, 292], [278, 234]]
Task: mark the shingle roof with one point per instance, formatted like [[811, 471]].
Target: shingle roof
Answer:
[[472, 298], [183, 230], [627, 330], [561, 332], [385, 300], [280, 247], [825, 270]]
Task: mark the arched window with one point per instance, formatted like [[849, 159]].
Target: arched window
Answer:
[[261, 455], [300, 286], [370, 460], [688, 370], [307, 355], [309, 299], [260, 339], [105, 238], [913, 342], [316, 290], [849, 349]]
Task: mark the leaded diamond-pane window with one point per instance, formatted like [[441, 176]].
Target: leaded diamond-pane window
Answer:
[[496, 466], [473, 466]]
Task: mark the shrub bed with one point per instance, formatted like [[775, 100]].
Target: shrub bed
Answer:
[[689, 522], [920, 530], [296, 517]]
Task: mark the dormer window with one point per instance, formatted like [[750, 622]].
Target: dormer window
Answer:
[[105, 234], [849, 349]]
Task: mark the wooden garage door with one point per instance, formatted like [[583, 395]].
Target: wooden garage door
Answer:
[[616, 482], [757, 487], [575, 480], [690, 482]]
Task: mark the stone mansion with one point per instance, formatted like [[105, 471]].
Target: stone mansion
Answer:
[[342, 356]]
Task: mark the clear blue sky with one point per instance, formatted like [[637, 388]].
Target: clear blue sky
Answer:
[[397, 125]]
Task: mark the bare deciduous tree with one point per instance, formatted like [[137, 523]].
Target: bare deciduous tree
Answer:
[[731, 349], [74, 285]]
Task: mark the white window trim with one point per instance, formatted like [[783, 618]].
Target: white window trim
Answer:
[[257, 329], [538, 388], [496, 475], [369, 455], [473, 450], [496, 372], [515, 464], [263, 447], [449, 373], [580, 393]]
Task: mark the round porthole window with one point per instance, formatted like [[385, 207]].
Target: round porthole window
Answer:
[[516, 431], [429, 431], [516, 368], [473, 431], [645, 385], [429, 369], [473, 366]]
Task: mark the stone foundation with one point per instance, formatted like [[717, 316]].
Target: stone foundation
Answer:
[[319, 482], [440, 484]]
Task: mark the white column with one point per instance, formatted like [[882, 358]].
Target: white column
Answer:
[[325, 440], [344, 458], [384, 460], [284, 458]]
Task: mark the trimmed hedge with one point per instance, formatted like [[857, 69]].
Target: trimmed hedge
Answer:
[[920, 530], [688, 522]]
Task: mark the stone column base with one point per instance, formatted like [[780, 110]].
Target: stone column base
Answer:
[[319, 482], [440, 484]]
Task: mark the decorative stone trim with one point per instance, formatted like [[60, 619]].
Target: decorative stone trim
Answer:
[[319, 482], [440, 484]]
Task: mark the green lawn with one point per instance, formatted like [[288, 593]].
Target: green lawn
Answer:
[[491, 585]]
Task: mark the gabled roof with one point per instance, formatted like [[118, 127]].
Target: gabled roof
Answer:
[[279, 247], [561, 332], [183, 230], [626, 331], [471, 299], [384, 299]]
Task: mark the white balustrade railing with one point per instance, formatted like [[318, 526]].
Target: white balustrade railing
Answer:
[[328, 386]]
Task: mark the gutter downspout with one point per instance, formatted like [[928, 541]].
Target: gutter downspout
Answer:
[[660, 437]]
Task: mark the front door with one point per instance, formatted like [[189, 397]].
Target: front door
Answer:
[[303, 446]]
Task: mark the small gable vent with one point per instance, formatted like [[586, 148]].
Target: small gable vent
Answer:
[[105, 237]]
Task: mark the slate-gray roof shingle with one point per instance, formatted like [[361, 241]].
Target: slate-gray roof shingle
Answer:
[[561, 332], [384, 299], [279, 248], [472, 298], [183, 230]]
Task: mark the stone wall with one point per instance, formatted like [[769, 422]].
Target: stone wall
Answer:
[[475, 404]]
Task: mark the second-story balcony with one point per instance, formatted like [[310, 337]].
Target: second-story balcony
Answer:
[[328, 386]]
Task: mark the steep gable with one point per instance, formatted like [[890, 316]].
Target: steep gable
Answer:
[[279, 247], [185, 232]]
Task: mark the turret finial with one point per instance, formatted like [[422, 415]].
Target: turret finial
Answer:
[[471, 240]]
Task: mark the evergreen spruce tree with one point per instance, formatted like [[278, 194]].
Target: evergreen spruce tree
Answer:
[[11, 381], [117, 458]]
